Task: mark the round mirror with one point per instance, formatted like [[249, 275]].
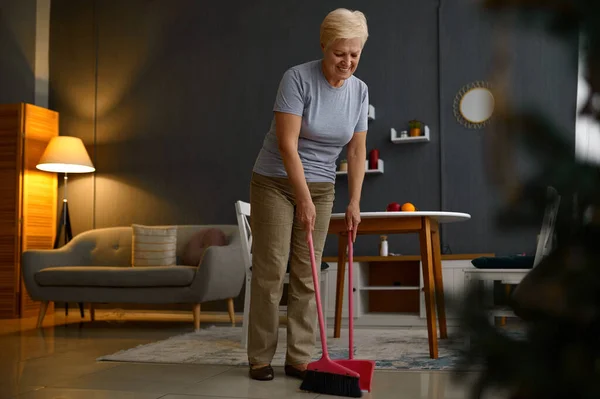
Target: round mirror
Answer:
[[474, 105], [477, 105]]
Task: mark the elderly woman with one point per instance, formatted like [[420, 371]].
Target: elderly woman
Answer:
[[320, 107]]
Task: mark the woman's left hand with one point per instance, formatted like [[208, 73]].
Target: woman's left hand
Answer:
[[352, 218]]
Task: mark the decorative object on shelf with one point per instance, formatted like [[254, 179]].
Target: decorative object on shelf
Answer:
[[474, 105], [371, 114], [415, 128], [383, 246], [393, 207], [343, 166], [405, 138], [373, 158]]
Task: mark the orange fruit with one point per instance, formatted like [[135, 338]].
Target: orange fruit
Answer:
[[408, 207]]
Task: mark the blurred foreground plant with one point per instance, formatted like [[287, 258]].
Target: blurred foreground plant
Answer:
[[558, 356]]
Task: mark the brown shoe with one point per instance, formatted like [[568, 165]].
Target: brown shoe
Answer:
[[294, 372], [265, 373]]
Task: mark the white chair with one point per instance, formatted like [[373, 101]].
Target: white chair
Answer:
[[243, 213], [514, 276]]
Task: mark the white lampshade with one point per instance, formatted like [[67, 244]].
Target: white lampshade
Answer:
[[66, 154]]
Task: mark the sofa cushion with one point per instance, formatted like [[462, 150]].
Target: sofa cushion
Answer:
[[504, 262], [114, 276], [154, 245], [194, 249]]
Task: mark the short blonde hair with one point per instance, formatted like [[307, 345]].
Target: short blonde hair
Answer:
[[344, 24]]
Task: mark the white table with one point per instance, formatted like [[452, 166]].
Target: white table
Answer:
[[426, 224]]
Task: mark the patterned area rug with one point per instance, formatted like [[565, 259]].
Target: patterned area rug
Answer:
[[398, 349]]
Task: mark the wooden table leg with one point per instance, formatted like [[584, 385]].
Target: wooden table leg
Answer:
[[439, 281], [339, 287], [428, 282]]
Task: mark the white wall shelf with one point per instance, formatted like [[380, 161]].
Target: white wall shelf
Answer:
[[379, 169], [371, 115], [396, 139]]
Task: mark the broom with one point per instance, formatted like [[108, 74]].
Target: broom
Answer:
[[326, 376], [365, 368]]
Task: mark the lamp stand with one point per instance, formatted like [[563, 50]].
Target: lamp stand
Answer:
[[65, 221]]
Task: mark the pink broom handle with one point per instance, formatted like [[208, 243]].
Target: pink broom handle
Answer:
[[350, 297], [313, 263]]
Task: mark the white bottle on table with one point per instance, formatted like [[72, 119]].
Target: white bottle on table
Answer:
[[383, 246]]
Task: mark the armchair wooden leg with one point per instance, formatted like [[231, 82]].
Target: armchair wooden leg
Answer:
[[231, 311], [197, 317], [42, 314]]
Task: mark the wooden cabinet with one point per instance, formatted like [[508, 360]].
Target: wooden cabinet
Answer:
[[453, 275], [28, 199], [388, 291]]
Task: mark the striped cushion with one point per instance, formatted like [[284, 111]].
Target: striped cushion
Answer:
[[154, 246]]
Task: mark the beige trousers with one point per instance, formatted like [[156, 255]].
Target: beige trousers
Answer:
[[277, 236]]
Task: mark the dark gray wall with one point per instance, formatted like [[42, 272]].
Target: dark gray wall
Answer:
[[72, 89], [543, 75], [17, 51], [174, 99]]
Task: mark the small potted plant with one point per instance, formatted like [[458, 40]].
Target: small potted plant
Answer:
[[343, 165], [415, 128]]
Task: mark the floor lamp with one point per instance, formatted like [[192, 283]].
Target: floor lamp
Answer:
[[65, 154]]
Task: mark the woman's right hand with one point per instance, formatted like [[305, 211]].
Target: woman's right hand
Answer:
[[306, 214]]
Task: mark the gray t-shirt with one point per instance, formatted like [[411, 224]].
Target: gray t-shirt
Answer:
[[330, 117]]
